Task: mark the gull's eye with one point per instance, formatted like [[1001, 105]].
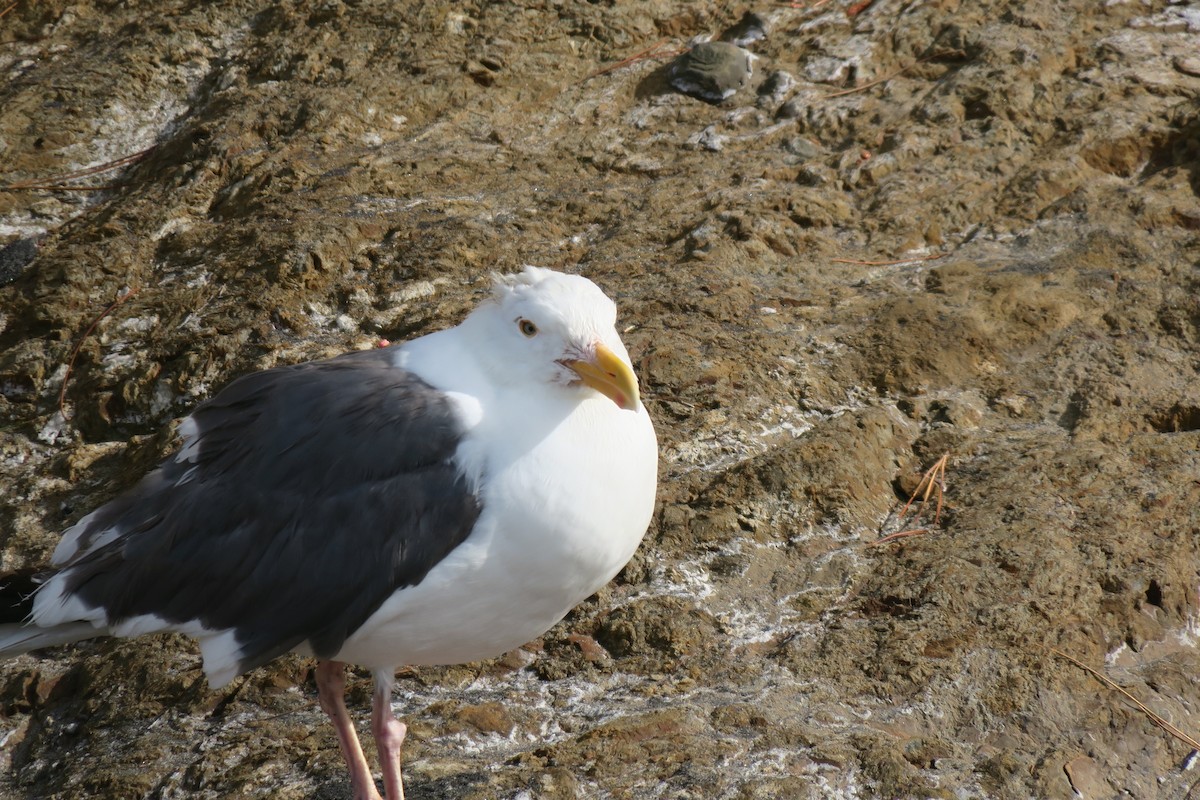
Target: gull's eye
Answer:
[[527, 328]]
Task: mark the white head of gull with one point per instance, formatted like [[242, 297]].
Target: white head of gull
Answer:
[[437, 502]]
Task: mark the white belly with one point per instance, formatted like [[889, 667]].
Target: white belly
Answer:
[[561, 516]]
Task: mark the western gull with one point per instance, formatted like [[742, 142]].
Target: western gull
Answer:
[[436, 502]]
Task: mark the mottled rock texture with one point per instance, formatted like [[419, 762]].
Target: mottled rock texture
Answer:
[[326, 174]]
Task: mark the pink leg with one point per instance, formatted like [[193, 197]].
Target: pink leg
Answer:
[[389, 734], [331, 690]]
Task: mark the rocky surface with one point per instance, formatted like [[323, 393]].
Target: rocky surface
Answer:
[[923, 228]]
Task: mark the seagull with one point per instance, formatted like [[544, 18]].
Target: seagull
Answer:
[[440, 501]]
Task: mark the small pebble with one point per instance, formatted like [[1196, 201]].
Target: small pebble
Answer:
[[802, 146], [749, 29], [709, 139], [1188, 65], [712, 71], [15, 257], [775, 89], [792, 109]]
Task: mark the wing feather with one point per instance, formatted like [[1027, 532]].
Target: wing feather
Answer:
[[303, 497]]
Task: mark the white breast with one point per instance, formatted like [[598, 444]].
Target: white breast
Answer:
[[566, 500]]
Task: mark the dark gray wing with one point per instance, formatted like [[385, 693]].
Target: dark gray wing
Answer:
[[313, 493]]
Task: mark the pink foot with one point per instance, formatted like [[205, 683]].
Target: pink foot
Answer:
[[389, 734]]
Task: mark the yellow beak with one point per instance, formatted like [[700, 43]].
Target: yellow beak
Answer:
[[608, 374]]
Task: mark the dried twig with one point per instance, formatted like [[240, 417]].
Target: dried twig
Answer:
[[62, 392], [1190, 741], [650, 52], [934, 478], [11, 6], [891, 537], [56, 183], [876, 82]]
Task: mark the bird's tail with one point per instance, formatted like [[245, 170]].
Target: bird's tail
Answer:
[[16, 638], [17, 634]]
